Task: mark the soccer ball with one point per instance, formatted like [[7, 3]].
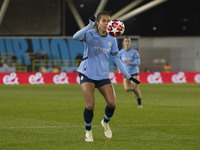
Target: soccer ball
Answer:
[[115, 28]]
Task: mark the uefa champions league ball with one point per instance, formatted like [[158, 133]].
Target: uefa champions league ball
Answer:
[[115, 28]]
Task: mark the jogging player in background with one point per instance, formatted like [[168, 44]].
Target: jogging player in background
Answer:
[[94, 70], [131, 60]]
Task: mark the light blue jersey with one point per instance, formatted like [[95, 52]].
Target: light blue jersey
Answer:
[[95, 63], [97, 50], [133, 57]]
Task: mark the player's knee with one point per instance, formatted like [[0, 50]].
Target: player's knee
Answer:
[[128, 89], [90, 106], [135, 87], [112, 104]]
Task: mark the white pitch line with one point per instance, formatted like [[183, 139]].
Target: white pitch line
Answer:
[[81, 126], [40, 127], [156, 125]]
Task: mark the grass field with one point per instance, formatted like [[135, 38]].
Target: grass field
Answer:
[[50, 117]]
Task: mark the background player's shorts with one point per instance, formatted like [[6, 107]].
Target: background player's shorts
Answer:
[[97, 83]]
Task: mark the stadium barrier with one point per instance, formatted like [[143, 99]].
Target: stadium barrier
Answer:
[[43, 53], [73, 78]]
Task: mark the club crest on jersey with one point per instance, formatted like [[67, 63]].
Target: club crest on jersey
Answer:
[[109, 43], [131, 54]]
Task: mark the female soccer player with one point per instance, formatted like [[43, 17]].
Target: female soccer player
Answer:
[[94, 70], [131, 60]]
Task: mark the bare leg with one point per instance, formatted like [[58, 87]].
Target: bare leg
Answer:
[[136, 89], [127, 85], [109, 94], [88, 94]]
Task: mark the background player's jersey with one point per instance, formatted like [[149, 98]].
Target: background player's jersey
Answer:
[[133, 57], [96, 54]]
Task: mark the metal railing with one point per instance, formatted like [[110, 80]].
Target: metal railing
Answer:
[[8, 64], [39, 65], [53, 65]]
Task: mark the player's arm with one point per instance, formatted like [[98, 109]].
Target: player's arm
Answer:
[[121, 67], [80, 35], [136, 60], [119, 54]]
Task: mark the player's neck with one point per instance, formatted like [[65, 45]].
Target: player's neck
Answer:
[[102, 33], [127, 48]]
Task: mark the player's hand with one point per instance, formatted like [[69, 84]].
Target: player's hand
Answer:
[[134, 80], [92, 18], [128, 62]]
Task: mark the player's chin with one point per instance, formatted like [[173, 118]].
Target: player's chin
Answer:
[[104, 31]]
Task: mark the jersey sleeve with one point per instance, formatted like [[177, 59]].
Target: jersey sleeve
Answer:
[[121, 67], [114, 49], [120, 54], [81, 34]]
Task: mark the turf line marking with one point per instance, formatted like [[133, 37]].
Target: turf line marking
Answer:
[[156, 125], [40, 127], [76, 126]]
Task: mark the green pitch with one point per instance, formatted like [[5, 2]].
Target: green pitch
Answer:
[[41, 117]]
